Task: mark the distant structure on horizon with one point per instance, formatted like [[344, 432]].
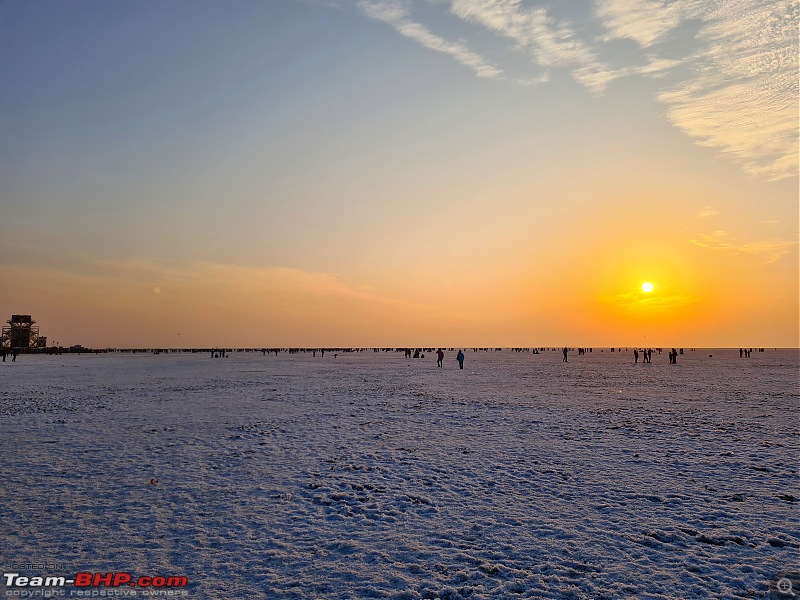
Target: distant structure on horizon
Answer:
[[22, 333]]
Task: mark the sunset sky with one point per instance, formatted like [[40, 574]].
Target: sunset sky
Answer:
[[400, 172]]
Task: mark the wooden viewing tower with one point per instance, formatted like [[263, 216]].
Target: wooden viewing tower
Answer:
[[22, 333]]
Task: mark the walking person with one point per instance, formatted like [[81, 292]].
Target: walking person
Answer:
[[439, 358], [460, 359], [565, 351]]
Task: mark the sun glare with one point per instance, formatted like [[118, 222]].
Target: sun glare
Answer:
[[647, 287]]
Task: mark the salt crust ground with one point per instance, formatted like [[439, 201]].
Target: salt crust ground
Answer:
[[374, 476]]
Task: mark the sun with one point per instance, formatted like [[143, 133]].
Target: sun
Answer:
[[647, 287]]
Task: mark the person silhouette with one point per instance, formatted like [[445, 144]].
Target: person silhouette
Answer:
[[565, 351], [439, 358], [460, 359]]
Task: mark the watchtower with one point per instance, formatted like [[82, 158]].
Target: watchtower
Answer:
[[21, 333]]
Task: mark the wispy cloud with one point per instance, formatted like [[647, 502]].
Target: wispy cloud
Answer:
[[663, 299], [772, 249], [548, 42], [396, 14], [708, 211], [644, 21], [721, 240], [740, 94], [743, 96], [718, 240], [166, 273]]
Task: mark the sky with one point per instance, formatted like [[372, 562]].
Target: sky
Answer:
[[401, 172]]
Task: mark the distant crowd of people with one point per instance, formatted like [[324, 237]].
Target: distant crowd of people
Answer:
[[647, 355]]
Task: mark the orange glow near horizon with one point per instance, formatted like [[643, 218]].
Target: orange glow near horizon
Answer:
[[597, 301], [584, 289]]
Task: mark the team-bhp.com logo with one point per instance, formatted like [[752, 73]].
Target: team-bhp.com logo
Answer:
[[93, 580]]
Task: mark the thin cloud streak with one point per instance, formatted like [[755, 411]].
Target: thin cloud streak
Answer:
[[656, 300], [644, 21], [164, 273], [708, 211], [549, 43], [396, 15], [743, 98], [721, 240]]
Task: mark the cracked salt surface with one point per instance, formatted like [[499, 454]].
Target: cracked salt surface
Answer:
[[373, 476]]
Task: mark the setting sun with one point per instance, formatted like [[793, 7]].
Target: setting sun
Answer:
[[647, 287]]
